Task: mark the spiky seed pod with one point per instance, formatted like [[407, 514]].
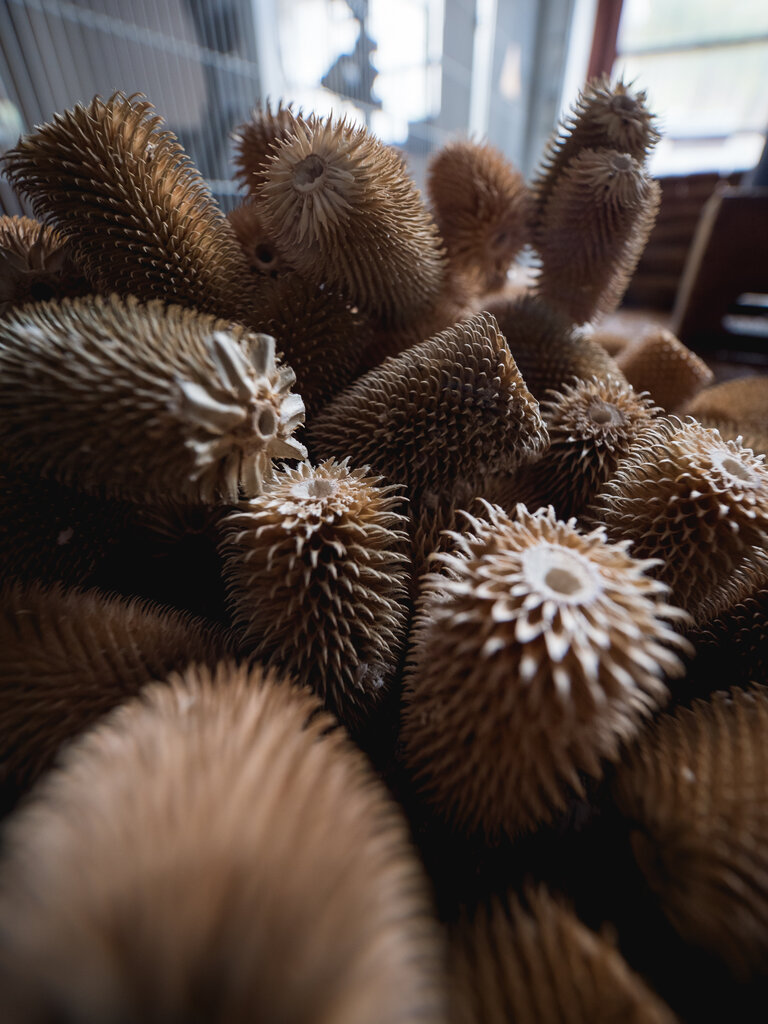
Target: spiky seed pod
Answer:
[[661, 364], [215, 851], [593, 230], [70, 656], [548, 351], [743, 401], [453, 408], [591, 425], [35, 264], [254, 140], [752, 437], [144, 401], [612, 341], [260, 249], [695, 502], [321, 336], [139, 217], [695, 790], [318, 571], [604, 115], [52, 532], [348, 216], [482, 208], [531, 660], [537, 962]]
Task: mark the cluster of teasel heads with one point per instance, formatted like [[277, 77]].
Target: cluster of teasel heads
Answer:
[[493, 555]]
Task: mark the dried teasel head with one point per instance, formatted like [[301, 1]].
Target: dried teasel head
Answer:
[[592, 425], [139, 217], [729, 430], [695, 502], [348, 216], [70, 656], [318, 572], [255, 139], [259, 248], [743, 401], [201, 850], [695, 793], [593, 230], [144, 401], [452, 408], [532, 658], [661, 364], [605, 115], [546, 348], [482, 208], [535, 961], [35, 264]]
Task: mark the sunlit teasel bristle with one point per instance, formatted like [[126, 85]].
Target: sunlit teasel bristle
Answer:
[[259, 248], [215, 850], [453, 408], [695, 791], [347, 215], [743, 401], [35, 264], [532, 659], [70, 656], [604, 115], [661, 364], [730, 430], [482, 208], [321, 336], [548, 351], [592, 232], [144, 401], [697, 503], [318, 573], [139, 217], [49, 531], [536, 962], [254, 140], [591, 424]]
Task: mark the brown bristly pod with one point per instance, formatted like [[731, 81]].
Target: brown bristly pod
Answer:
[[49, 531], [482, 207], [321, 336], [453, 408], [693, 501], [70, 656], [138, 215], [661, 364], [143, 401], [753, 437], [216, 850], [591, 425], [694, 792], [348, 216], [592, 232], [259, 248], [35, 264], [532, 961], [604, 115], [612, 341], [532, 659], [744, 401], [318, 571], [254, 140], [548, 350]]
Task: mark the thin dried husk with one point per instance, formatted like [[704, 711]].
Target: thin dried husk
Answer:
[[201, 850], [531, 660], [143, 401]]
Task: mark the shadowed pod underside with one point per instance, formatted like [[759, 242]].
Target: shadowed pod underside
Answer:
[[36, 264]]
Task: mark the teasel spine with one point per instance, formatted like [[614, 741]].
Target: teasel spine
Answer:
[[143, 401], [592, 231], [255, 139], [139, 217]]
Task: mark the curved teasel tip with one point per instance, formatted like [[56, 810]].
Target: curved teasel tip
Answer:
[[255, 139]]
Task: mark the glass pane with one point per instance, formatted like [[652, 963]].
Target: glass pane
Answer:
[[655, 23]]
